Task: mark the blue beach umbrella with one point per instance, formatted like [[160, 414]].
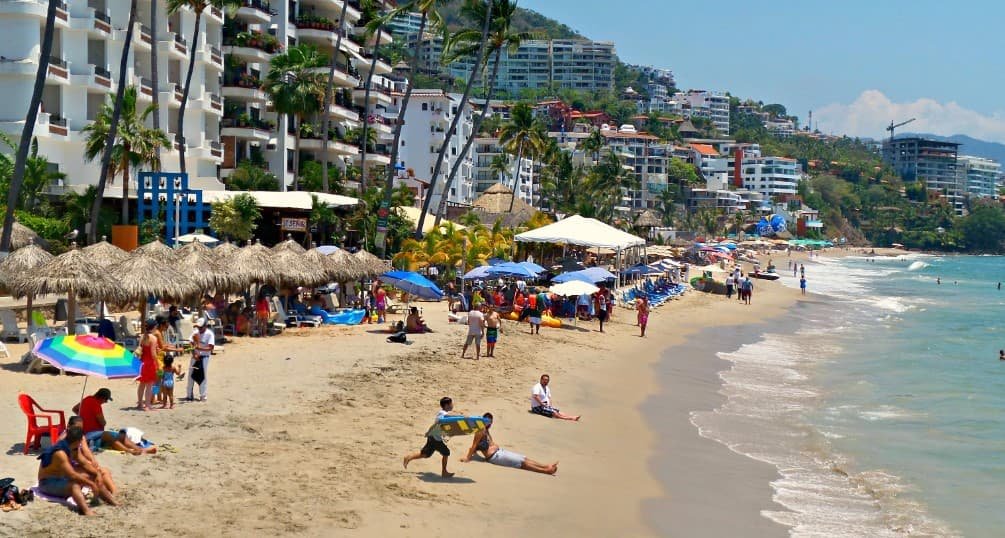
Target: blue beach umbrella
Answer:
[[591, 275], [511, 269], [413, 283], [537, 269], [482, 271]]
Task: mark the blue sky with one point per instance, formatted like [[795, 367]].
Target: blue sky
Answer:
[[857, 64]]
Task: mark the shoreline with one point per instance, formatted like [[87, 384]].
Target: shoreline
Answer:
[[307, 430]]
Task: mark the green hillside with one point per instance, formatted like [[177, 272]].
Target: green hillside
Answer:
[[525, 21]]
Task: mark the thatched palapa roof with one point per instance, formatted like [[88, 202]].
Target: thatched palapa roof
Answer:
[[648, 219], [199, 263], [22, 236], [493, 205], [253, 263], [70, 272], [22, 263], [289, 245], [105, 254], [370, 264], [156, 251], [292, 268], [142, 275], [346, 267]]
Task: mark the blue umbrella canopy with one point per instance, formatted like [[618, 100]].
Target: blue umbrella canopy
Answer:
[[413, 283], [478, 272], [591, 275], [537, 269], [511, 269]]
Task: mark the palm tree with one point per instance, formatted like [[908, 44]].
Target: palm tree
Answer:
[[521, 134], [198, 7], [374, 26], [429, 13], [593, 144], [296, 89], [134, 145], [113, 126], [329, 89], [14, 193], [464, 41], [500, 166], [479, 57]]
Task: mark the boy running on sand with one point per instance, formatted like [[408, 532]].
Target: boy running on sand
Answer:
[[434, 438]]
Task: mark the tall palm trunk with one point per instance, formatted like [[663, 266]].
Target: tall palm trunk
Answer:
[[296, 153], [400, 120], [125, 184], [27, 132], [155, 71], [106, 157], [329, 89], [366, 114], [467, 144], [516, 176], [475, 69], [180, 135]]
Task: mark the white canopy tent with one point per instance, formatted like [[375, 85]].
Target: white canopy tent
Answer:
[[585, 232], [582, 231]]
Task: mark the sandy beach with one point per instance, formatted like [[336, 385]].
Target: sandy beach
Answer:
[[303, 434]]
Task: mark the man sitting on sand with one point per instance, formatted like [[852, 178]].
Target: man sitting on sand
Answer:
[[541, 403], [89, 410], [58, 478], [414, 322], [497, 455]]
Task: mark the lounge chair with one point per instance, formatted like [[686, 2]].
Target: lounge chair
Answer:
[[3, 349], [38, 323], [127, 336], [10, 327], [295, 320]]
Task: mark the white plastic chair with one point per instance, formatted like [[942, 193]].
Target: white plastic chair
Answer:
[[10, 327], [3, 349]]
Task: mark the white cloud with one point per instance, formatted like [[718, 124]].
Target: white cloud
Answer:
[[872, 112]]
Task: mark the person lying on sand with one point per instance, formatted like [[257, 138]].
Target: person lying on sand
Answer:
[[58, 478], [94, 424], [496, 455]]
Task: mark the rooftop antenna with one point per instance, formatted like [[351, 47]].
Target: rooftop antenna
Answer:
[[894, 126]]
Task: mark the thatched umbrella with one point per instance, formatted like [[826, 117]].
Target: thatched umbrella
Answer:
[[142, 275], [315, 258], [290, 245], [346, 266], [200, 263], [22, 263], [253, 263], [105, 254], [22, 236], [370, 264], [293, 268], [224, 251], [157, 251], [72, 273]]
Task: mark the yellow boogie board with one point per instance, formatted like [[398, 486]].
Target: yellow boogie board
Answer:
[[546, 320], [452, 426]]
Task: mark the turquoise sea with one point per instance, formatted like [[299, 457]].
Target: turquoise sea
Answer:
[[883, 406]]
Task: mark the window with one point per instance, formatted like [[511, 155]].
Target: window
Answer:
[[425, 106]]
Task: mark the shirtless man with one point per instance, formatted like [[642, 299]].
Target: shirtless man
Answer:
[[84, 459], [58, 478], [493, 326]]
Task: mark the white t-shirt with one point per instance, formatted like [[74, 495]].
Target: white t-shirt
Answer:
[[205, 339], [435, 431], [475, 319], [542, 392]]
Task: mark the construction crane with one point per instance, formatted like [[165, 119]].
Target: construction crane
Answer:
[[894, 126]]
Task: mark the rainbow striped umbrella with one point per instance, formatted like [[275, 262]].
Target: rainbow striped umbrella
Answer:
[[90, 355]]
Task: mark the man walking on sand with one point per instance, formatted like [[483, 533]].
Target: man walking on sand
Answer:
[[476, 327], [434, 438]]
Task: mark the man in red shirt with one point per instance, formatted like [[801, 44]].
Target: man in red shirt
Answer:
[[90, 412]]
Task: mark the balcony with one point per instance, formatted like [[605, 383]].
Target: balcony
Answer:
[[247, 128], [146, 87], [316, 30], [145, 38], [255, 12], [310, 140], [254, 47], [57, 125], [377, 97], [243, 87], [180, 44], [373, 158], [102, 22]]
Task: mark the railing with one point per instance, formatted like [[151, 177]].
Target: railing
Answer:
[[103, 17], [102, 72], [259, 5], [247, 123], [215, 99], [145, 32], [61, 6], [54, 119], [180, 40], [56, 61], [215, 145], [146, 83]]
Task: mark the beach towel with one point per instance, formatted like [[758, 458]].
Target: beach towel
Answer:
[[69, 502]]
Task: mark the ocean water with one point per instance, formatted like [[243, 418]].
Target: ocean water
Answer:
[[883, 407]]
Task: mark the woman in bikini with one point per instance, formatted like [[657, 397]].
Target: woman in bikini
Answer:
[[496, 455], [642, 306]]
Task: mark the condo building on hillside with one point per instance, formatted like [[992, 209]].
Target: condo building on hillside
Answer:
[[982, 176], [932, 162], [526, 172]]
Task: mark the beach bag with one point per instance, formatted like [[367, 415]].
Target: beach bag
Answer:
[[400, 337], [198, 374]]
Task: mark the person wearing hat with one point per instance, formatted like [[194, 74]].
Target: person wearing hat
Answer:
[[204, 340], [94, 425]]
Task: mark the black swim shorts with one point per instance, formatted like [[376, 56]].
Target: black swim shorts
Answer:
[[545, 411], [434, 445]]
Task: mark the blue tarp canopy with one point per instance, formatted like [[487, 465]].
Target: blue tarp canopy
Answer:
[[413, 283], [591, 275]]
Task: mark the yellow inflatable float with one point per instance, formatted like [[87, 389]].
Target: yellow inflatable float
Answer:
[[546, 320]]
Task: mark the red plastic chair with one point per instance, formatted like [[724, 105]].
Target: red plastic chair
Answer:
[[40, 422]]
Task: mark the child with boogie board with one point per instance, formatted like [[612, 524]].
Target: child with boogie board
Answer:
[[434, 438]]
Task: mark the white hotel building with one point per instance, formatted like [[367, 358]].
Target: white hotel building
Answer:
[[484, 151], [982, 176], [771, 176], [227, 118]]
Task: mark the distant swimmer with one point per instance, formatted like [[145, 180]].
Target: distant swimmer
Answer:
[[1001, 354], [938, 280], [999, 285]]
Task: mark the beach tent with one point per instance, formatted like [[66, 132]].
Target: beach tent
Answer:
[[578, 230]]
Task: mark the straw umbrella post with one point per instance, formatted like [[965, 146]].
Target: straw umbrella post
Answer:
[[105, 255], [72, 273], [20, 264]]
